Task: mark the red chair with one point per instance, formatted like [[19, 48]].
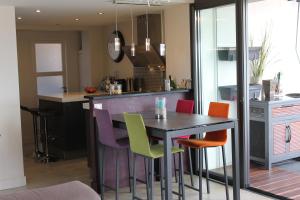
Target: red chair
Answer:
[[183, 106]]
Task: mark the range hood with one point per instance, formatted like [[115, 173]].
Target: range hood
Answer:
[[142, 57]]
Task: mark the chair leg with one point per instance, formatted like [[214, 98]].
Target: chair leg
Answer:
[[207, 171], [161, 179], [181, 177], [102, 165], [147, 177], [174, 160], [134, 177], [200, 172], [151, 177], [129, 171], [191, 166], [225, 173], [117, 175]]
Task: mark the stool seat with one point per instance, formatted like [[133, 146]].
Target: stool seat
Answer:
[[157, 150], [195, 143]]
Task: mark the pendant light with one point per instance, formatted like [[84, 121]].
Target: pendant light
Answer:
[[117, 39], [132, 49], [162, 46], [147, 42]]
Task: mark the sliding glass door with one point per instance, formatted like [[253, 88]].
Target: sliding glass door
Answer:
[[215, 61]]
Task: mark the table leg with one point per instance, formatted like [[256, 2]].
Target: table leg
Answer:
[[168, 166], [200, 158], [235, 162]]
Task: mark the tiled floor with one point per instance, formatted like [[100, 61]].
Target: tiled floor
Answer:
[[40, 175]]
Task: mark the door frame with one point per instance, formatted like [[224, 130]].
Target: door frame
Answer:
[[242, 75]]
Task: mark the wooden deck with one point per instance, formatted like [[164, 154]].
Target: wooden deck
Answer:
[[279, 181]]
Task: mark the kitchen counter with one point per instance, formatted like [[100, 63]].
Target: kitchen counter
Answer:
[[69, 96], [84, 97], [133, 94], [275, 101], [274, 132]]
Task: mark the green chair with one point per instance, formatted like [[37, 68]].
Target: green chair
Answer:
[[140, 146]]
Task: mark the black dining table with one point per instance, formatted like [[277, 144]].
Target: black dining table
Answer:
[[180, 124]]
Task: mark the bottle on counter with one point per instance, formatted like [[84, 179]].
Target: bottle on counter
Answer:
[[172, 83]]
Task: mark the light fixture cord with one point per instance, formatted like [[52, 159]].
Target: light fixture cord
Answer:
[[117, 20], [147, 21], [297, 31], [162, 27], [131, 15]]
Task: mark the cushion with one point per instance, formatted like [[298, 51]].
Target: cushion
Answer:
[[68, 191]]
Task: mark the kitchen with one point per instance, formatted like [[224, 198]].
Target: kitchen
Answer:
[[82, 61], [85, 62]]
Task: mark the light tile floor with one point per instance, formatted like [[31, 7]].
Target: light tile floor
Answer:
[[217, 193], [41, 175]]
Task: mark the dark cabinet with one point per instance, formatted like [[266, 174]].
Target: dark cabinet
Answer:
[[66, 129]]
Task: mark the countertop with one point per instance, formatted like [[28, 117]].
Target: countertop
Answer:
[[133, 94], [68, 97], [84, 97], [280, 100]]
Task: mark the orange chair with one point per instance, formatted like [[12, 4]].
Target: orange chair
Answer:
[[212, 139]]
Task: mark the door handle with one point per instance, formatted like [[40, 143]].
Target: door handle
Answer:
[[290, 133], [287, 137]]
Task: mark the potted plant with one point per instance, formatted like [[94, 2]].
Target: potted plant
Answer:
[[259, 62]]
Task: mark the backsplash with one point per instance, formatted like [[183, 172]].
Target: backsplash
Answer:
[[152, 79]]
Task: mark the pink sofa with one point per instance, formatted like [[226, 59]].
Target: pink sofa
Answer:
[[68, 191]]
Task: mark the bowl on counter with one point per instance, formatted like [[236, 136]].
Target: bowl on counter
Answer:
[[90, 90]]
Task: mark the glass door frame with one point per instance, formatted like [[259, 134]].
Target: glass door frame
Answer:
[[241, 73]]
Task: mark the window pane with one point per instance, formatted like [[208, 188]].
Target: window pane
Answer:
[[48, 57], [49, 85]]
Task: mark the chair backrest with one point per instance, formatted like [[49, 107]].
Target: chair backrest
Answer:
[[106, 134], [217, 109], [185, 106], [138, 139]]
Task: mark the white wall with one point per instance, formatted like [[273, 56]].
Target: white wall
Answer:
[[279, 18], [11, 156], [177, 34], [92, 57]]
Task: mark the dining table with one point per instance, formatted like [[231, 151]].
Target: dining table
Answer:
[[181, 124]]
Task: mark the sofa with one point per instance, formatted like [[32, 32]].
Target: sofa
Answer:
[[68, 191]]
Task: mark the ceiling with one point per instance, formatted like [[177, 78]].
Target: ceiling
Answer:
[[64, 12]]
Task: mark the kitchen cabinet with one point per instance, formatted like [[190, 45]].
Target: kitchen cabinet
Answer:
[[274, 130], [67, 129]]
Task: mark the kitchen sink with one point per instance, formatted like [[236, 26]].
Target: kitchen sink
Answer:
[[293, 95]]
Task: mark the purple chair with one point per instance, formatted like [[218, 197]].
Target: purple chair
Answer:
[[107, 138]]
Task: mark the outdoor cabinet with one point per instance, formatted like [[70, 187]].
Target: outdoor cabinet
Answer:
[[274, 130]]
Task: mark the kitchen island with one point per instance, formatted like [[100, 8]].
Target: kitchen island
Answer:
[[67, 130], [116, 104], [274, 130]]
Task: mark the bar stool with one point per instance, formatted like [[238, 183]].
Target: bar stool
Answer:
[[107, 139], [140, 146], [183, 106], [34, 112], [40, 131], [212, 139], [44, 116]]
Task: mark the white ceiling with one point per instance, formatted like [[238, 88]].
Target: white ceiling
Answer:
[[64, 12]]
